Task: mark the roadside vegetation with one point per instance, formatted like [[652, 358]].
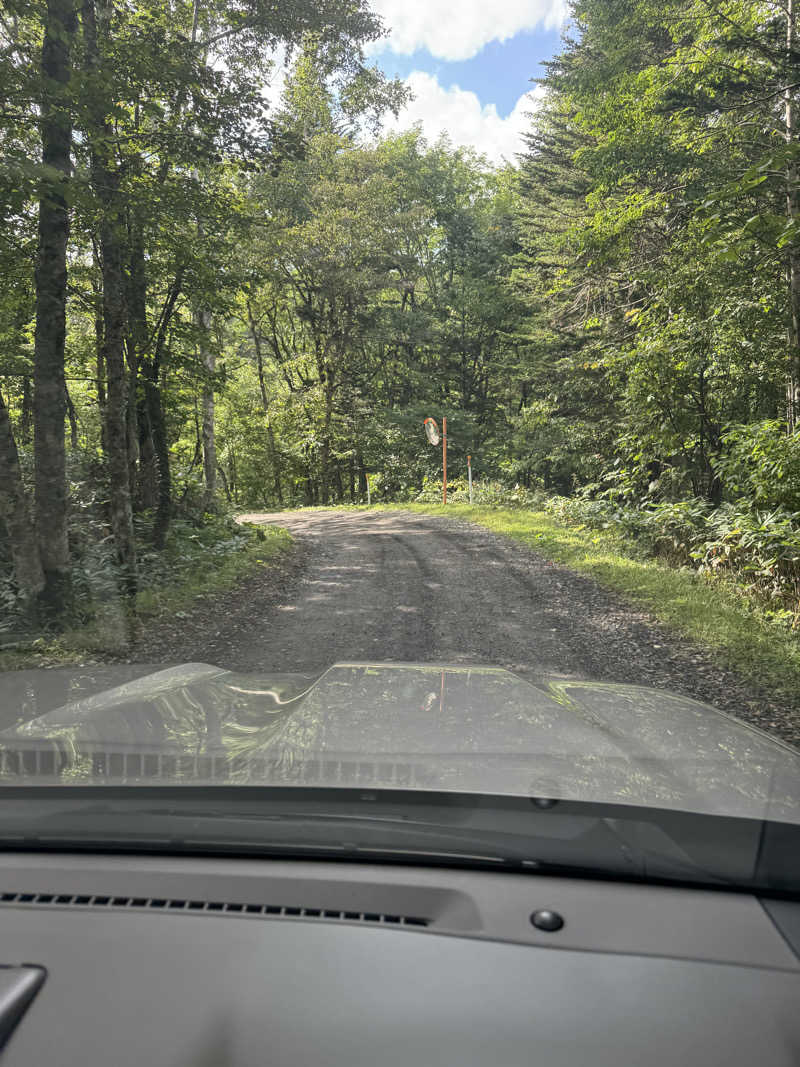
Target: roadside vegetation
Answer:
[[196, 562], [210, 305]]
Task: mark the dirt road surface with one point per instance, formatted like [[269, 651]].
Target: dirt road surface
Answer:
[[396, 586]]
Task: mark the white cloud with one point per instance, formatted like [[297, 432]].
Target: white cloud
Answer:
[[454, 32], [460, 114]]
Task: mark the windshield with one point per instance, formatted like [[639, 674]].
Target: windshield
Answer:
[[405, 400]]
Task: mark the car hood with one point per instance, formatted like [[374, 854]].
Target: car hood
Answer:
[[465, 729]]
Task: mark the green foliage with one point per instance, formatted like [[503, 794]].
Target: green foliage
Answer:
[[485, 494], [164, 106], [654, 231], [761, 462], [377, 296], [606, 322], [197, 561], [759, 550], [201, 560]]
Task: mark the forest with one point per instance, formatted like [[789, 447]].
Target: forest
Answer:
[[213, 299]]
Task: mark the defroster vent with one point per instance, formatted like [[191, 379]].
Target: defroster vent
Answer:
[[205, 907]]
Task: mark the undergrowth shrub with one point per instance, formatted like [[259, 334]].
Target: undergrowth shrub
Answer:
[[193, 552], [487, 494], [758, 548], [761, 462]]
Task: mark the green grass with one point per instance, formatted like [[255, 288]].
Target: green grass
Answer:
[[711, 613], [212, 572], [189, 568]]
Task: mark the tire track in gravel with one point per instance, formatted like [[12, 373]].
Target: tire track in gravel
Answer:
[[397, 586]]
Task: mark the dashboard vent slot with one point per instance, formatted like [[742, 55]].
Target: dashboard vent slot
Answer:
[[213, 907]]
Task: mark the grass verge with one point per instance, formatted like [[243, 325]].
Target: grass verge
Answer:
[[711, 613], [196, 562]]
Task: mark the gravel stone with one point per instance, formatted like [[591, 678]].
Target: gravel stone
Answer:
[[401, 587]]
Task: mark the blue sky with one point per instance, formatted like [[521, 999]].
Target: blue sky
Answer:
[[469, 65], [499, 74]]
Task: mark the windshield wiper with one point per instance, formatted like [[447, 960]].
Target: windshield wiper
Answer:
[[142, 843], [411, 826]]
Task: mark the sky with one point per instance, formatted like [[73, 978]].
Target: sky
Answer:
[[469, 65]]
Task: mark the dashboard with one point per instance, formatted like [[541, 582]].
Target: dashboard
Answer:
[[194, 962]]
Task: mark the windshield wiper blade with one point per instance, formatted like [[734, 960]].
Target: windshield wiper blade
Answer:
[[302, 849], [396, 826]]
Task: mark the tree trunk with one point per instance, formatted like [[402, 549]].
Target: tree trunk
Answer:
[[49, 404], [132, 425], [100, 371], [153, 395], [362, 475], [73, 419], [105, 184], [116, 425], [26, 422], [233, 480], [147, 482], [143, 480], [793, 257], [209, 361], [275, 458], [14, 512], [337, 477], [155, 412], [310, 489], [226, 488], [273, 451], [325, 450]]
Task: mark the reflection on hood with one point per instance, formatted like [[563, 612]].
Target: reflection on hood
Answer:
[[406, 726]]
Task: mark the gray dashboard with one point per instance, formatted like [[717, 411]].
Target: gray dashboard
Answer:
[[220, 962]]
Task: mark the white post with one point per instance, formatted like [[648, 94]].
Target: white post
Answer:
[[469, 476], [369, 497]]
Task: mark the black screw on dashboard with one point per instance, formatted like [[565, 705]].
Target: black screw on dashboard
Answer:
[[544, 919]]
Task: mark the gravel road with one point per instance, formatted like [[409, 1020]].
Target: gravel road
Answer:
[[405, 587]]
